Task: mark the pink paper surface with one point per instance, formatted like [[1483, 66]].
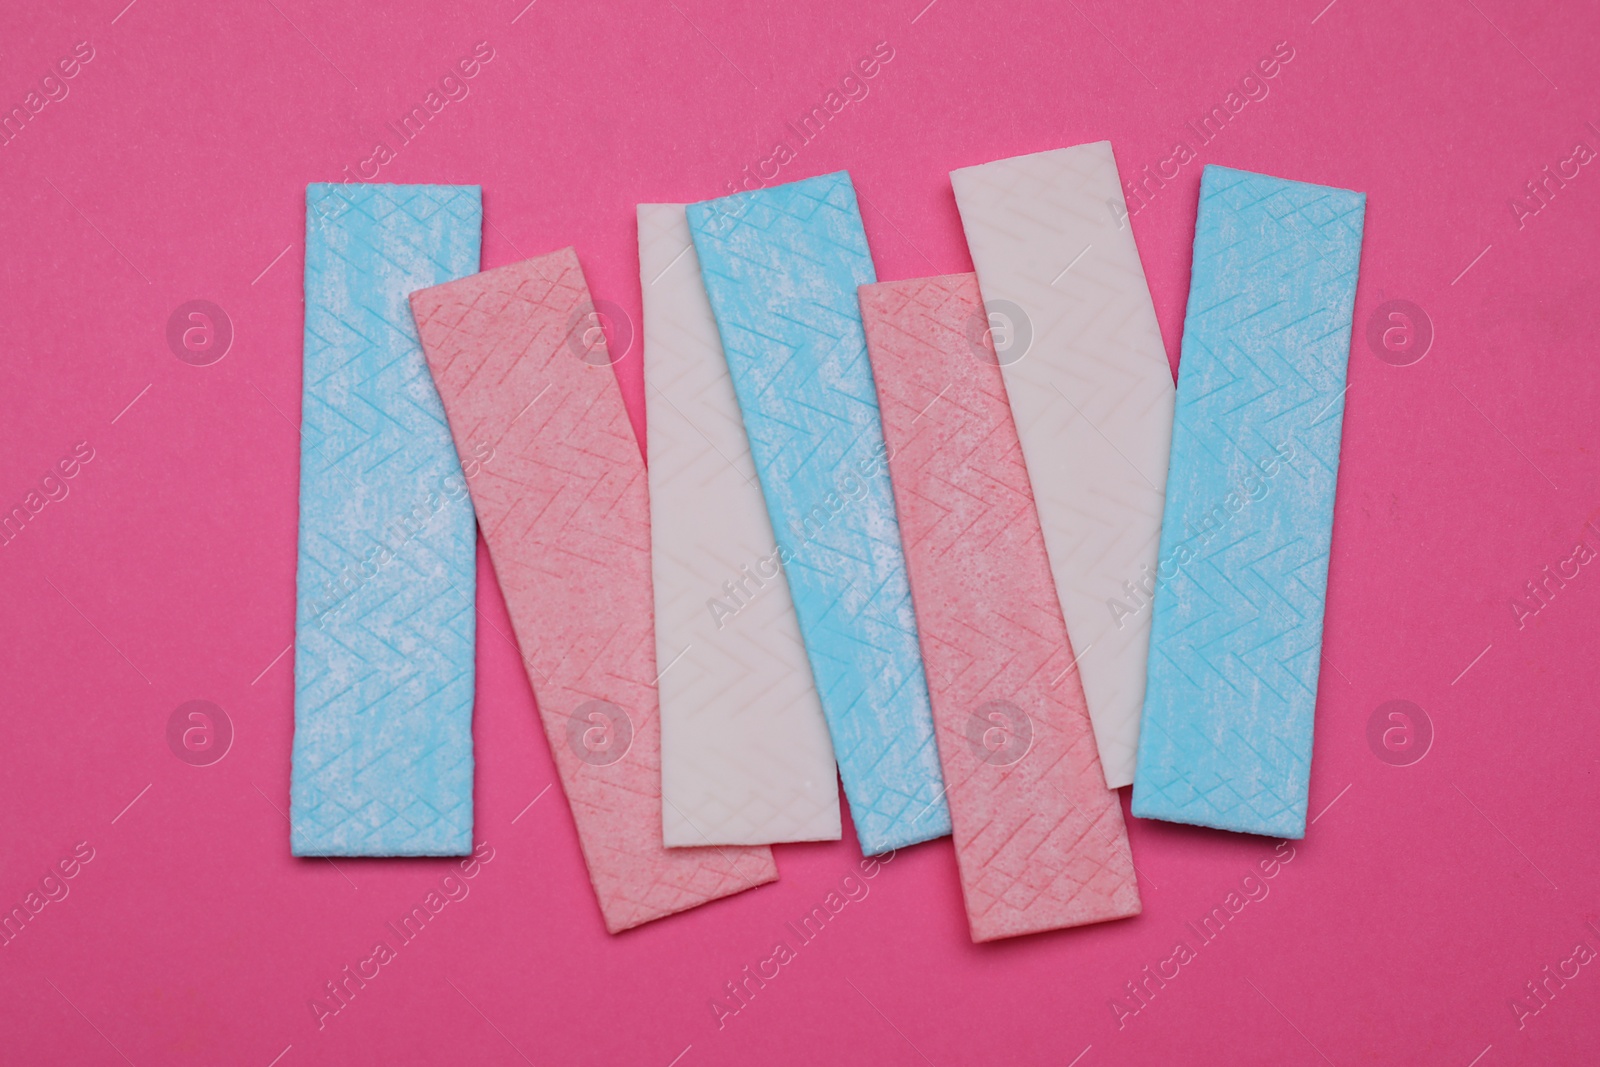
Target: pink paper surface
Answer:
[[558, 484], [175, 169], [1039, 838]]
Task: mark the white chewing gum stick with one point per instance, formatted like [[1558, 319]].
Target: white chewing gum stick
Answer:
[[745, 753], [1092, 394]]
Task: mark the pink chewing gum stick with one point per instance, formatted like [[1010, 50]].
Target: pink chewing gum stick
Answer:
[[558, 484], [1039, 838]]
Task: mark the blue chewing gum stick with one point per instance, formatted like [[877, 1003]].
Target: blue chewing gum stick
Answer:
[[781, 266], [1236, 644], [384, 626]]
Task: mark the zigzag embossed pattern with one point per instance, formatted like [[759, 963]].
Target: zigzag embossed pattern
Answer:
[[1039, 836], [384, 627], [781, 266], [526, 379], [745, 755], [1237, 642], [1092, 396]]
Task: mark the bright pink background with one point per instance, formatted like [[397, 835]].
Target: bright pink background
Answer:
[[1406, 922]]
